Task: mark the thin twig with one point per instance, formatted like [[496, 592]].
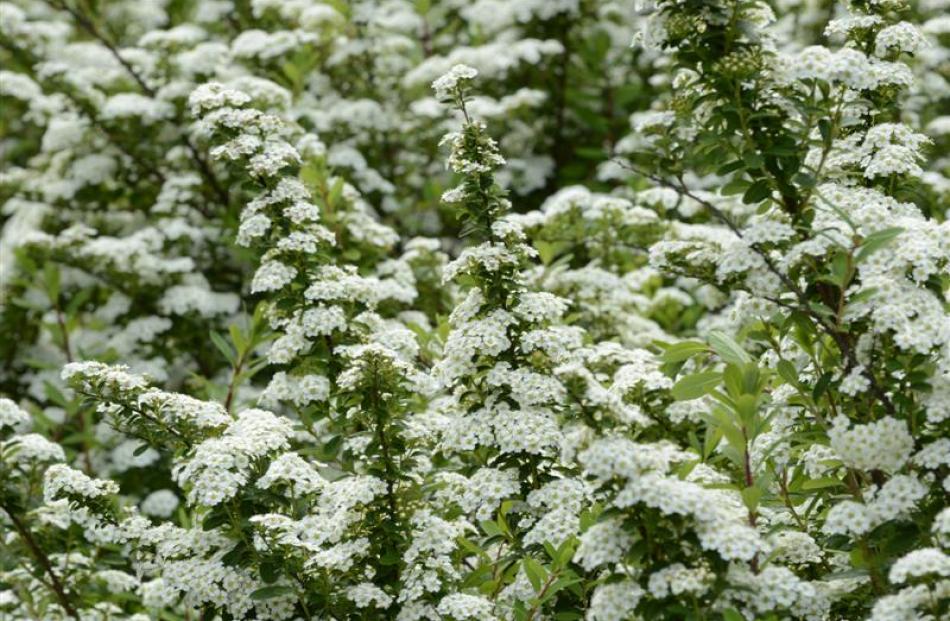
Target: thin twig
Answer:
[[840, 339], [90, 27], [55, 583]]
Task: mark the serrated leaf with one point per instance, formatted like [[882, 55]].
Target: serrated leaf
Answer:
[[876, 241], [270, 571], [824, 126], [751, 497], [731, 614], [821, 385], [696, 385], [683, 351], [730, 167], [753, 160], [335, 192], [757, 192], [55, 395], [535, 572], [270, 592], [728, 349], [51, 276], [214, 519], [746, 408], [222, 346], [788, 372], [471, 547], [711, 440], [805, 180], [736, 186], [237, 337], [821, 483]]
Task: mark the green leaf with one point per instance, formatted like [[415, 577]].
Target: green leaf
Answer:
[[270, 571], [728, 349], [751, 497], [736, 186], [237, 337], [821, 483], [696, 385], [805, 180], [821, 309], [732, 378], [490, 528], [824, 126], [332, 446], [788, 372], [821, 385], [566, 552], [877, 240], [711, 441], [335, 193], [51, 275], [55, 395], [214, 519], [753, 160], [223, 346], [559, 584], [746, 407], [547, 251], [840, 270], [270, 592], [757, 192], [730, 167], [472, 547], [292, 72], [732, 614], [535, 572], [683, 351]]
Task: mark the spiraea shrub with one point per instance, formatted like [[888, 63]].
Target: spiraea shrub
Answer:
[[474, 310]]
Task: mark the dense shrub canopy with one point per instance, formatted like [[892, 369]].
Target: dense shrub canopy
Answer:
[[461, 310]]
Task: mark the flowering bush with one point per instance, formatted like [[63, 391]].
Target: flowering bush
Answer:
[[451, 311]]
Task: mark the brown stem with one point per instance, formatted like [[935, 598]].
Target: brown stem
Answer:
[[232, 384], [841, 339], [55, 584], [61, 322], [558, 152], [544, 589], [392, 508], [29, 61], [86, 24], [786, 498], [495, 573], [877, 579], [425, 38], [68, 352]]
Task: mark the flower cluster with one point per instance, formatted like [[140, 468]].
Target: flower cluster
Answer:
[[461, 311]]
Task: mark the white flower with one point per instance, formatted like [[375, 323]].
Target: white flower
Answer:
[[462, 607], [367, 594], [614, 601], [882, 445], [11, 415], [161, 503], [446, 86], [271, 276], [919, 563], [62, 481]]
